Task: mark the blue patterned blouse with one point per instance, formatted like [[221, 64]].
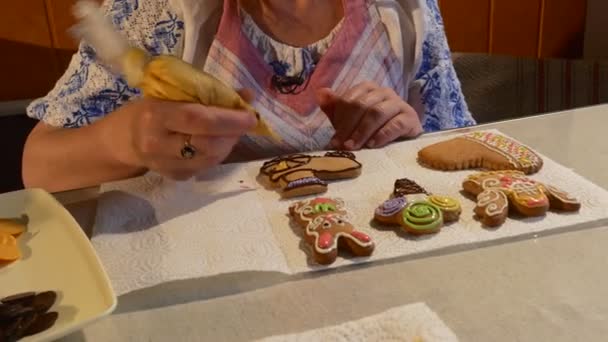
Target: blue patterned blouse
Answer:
[[88, 90]]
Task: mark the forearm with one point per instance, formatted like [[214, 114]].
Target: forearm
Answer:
[[58, 159]]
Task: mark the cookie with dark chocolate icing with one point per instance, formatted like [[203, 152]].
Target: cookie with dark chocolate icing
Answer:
[[301, 175], [405, 186]]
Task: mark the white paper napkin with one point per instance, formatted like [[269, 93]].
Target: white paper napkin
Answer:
[[410, 323], [151, 230]]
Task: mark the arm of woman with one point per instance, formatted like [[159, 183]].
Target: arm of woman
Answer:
[[142, 135], [440, 91], [59, 159], [93, 128]]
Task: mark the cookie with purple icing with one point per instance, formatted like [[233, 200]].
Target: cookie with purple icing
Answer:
[[388, 212]]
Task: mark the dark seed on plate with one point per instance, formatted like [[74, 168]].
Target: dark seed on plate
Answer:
[[42, 323], [24, 298], [11, 329], [8, 312], [44, 301], [24, 324]]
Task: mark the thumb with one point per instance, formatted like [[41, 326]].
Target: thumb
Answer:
[[327, 101]]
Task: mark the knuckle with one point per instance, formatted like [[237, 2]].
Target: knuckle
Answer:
[[147, 117], [400, 125], [148, 144], [383, 134], [359, 102], [388, 92], [369, 84], [377, 111], [190, 118]]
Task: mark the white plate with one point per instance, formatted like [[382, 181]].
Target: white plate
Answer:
[[57, 256]]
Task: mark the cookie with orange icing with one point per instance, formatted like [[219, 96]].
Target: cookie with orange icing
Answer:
[[497, 191], [327, 229], [9, 232], [486, 150]]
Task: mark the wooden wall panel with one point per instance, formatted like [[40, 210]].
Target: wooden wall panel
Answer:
[[61, 19], [563, 28], [514, 27], [467, 32], [530, 28], [27, 62]]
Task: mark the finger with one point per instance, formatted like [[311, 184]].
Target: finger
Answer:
[[375, 117], [168, 147], [327, 100], [404, 125], [359, 90], [347, 102], [209, 152], [196, 119], [213, 150], [354, 113], [247, 94]]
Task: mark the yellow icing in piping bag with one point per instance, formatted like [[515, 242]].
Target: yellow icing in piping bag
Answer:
[[163, 77]]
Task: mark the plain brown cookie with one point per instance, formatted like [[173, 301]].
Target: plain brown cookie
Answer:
[[480, 150]]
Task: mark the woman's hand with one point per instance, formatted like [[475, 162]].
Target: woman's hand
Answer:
[[151, 134], [368, 115]]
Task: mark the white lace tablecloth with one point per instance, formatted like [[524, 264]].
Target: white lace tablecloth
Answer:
[[151, 230], [409, 323]]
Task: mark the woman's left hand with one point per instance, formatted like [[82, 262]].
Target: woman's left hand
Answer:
[[368, 116]]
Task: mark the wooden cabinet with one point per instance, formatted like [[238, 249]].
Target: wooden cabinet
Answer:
[[36, 47], [27, 63], [529, 28]]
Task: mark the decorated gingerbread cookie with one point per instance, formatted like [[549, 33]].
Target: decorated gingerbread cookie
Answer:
[[497, 191], [301, 175], [417, 211], [327, 228], [481, 150]]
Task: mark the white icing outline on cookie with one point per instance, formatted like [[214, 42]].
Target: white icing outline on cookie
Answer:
[[518, 155], [488, 200]]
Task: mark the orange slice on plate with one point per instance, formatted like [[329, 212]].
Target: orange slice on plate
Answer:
[[11, 227], [8, 248]]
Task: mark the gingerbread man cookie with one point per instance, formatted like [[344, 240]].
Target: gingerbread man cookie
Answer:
[[327, 228], [481, 150], [498, 190], [417, 211], [301, 175]]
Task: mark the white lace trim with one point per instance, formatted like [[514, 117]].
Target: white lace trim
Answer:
[[273, 50]]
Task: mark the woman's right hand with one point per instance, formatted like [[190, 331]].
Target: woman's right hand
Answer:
[[150, 134]]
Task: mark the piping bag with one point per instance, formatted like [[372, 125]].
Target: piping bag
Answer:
[[162, 77]]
